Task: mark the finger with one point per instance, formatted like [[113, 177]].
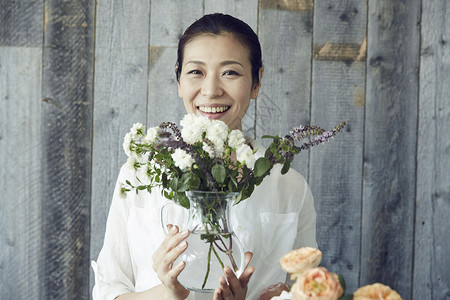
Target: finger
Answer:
[[174, 253], [226, 292], [174, 240], [218, 294], [248, 257], [245, 276], [176, 270], [233, 281]]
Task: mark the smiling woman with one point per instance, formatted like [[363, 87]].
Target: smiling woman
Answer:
[[219, 70]]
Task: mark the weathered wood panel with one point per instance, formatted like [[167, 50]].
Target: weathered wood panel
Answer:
[[432, 235], [20, 223], [390, 144], [336, 169], [121, 75], [66, 149], [284, 100], [21, 23]]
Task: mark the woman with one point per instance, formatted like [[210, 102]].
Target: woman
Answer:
[[219, 71]]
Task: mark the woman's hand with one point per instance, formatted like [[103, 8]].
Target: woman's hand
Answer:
[[236, 289], [171, 248], [273, 291]]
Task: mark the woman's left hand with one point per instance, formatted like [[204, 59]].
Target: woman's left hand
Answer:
[[236, 289]]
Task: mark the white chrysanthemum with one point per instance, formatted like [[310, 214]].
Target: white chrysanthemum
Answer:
[[236, 139], [182, 159], [132, 162], [152, 134], [217, 131], [137, 130], [191, 134], [194, 127], [127, 143], [244, 154], [210, 150], [188, 120], [219, 146]]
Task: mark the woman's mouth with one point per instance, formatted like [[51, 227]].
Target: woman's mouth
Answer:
[[213, 110]]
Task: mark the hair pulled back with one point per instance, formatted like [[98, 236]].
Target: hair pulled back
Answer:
[[217, 24]]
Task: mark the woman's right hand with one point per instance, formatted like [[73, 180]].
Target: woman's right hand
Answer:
[[171, 248]]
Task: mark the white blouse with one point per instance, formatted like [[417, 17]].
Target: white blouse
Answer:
[[278, 217]]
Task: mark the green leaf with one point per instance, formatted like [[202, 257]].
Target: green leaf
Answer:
[[342, 282], [219, 173], [262, 165], [269, 137], [286, 166], [194, 182]]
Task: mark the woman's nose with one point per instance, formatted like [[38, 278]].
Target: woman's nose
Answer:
[[211, 87]]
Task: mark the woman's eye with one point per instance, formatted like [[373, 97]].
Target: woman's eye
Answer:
[[195, 72], [231, 72]]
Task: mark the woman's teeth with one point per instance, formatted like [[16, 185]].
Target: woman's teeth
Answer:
[[213, 110]]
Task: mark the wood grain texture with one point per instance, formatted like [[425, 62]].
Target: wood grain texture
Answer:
[[432, 237], [21, 23], [169, 19], [290, 5], [121, 77], [20, 222], [390, 145], [338, 88], [284, 98], [66, 149], [246, 10]]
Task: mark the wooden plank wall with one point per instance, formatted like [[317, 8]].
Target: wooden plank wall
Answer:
[[75, 76]]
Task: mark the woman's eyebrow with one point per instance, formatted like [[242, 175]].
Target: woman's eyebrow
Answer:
[[224, 63]]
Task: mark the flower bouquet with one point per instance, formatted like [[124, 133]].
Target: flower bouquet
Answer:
[[206, 156], [317, 283]]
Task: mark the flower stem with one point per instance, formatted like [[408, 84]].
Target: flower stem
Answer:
[[208, 267]]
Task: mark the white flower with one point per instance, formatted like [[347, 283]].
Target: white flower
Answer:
[[217, 130], [137, 130], [152, 134], [132, 163], [182, 159], [210, 150], [194, 127], [236, 139], [127, 143], [244, 154]]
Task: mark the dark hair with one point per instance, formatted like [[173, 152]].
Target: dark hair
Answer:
[[219, 24]]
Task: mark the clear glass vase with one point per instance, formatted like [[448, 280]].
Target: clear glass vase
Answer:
[[212, 244]]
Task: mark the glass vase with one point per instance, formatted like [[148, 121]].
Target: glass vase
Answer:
[[212, 244]]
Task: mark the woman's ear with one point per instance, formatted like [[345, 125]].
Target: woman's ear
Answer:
[[255, 88]]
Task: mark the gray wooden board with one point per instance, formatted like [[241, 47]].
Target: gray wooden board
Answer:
[[20, 223], [169, 19], [247, 10], [432, 235], [121, 76], [336, 167], [21, 23], [284, 98], [164, 103], [66, 149], [390, 145], [338, 89]]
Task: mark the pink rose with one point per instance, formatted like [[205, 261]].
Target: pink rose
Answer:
[[376, 291], [299, 260], [317, 284]]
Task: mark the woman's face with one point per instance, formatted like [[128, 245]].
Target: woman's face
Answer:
[[216, 79]]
